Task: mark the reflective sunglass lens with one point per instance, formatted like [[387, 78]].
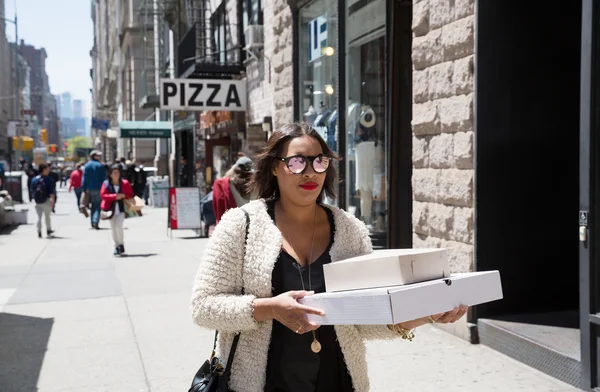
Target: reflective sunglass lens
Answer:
[[320, 164], [296, 165]]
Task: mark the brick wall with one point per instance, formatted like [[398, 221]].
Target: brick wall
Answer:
[[443, 48]]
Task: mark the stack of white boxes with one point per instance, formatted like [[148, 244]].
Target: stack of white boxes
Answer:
[[398, 285]]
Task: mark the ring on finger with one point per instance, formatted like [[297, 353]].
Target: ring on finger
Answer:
[[431, 320]]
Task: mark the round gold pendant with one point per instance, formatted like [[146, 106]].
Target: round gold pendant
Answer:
[[315, 346]]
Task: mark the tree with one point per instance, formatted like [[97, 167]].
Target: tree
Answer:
[[78, 142]]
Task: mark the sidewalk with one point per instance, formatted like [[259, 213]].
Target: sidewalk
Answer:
[[74, 318]]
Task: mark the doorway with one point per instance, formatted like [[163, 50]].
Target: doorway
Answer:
[[221, 154], [527, 180], [184, 148]]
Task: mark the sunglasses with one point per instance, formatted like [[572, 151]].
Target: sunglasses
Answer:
[[298, 163]]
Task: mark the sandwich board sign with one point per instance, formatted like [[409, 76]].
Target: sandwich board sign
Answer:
[[203, 94]]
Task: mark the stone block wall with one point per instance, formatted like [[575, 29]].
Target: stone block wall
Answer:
[[443, 174], [270, 82], [282, 70], [260, 74], [443, 73]]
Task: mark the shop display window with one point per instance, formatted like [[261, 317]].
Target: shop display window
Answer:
[[318, 68], [366, 111]]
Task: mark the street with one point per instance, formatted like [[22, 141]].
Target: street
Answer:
[[75, 318]]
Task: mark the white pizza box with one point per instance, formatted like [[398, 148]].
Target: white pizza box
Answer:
[[394, 305], [386, 268]]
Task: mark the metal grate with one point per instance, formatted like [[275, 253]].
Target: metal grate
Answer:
[[552, 349]]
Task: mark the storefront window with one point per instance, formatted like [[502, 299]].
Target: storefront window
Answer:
[[318, 68], [366, 134]]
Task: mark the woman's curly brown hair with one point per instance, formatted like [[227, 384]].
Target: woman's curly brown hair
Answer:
[[264, 182]]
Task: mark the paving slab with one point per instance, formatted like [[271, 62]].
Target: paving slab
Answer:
[[75, 310], [67, 285], [84, 367], [148, 325]]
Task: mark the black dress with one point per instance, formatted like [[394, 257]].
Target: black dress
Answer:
[[292, 366]]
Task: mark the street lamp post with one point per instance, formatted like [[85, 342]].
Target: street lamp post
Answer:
[[16, 23]]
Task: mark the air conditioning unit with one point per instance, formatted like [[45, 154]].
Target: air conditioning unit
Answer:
[[254, 36]]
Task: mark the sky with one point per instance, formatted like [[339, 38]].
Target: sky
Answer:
[[65, 29]]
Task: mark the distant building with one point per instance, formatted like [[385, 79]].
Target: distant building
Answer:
[[40, 89], [65, 106], [78, 108]]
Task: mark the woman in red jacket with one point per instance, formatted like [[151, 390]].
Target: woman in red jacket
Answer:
[[114, 190], [231, 191]]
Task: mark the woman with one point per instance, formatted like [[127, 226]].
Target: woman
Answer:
[[75, 182], [114, 190], [290, 237], [232, 190]]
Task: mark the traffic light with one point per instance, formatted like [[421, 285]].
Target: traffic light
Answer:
[[44, 136], [51, 148], [66, 145], [28, 143]]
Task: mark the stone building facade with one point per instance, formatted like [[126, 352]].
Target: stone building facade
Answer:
[[443, 132], [104, 74], [5, 86], [282, 44], [137, 67]]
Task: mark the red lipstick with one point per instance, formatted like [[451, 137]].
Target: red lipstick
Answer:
[[309, 186]]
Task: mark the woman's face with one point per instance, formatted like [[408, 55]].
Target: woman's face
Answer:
[[115, 175], [304, 188]]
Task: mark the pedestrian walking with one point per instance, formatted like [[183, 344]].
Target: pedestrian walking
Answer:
[[257, 266], [43, 189], [55, 176], [32, 172], [232, 190], [75, 182], [114, 190], [94, 174]]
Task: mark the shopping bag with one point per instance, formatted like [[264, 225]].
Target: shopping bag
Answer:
[[84, 204], [133, 214], [134, 204]]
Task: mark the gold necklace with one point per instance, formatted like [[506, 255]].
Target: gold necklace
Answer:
[[315, 346]]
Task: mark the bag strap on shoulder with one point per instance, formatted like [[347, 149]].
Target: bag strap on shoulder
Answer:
[[236, 338]]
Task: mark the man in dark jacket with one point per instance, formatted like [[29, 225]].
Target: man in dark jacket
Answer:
[[43, 189], [94, 173]]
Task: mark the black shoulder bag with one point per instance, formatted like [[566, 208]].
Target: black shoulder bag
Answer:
[[211, 377]]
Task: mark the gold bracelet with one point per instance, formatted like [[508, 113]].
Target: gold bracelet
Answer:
[[407, 334]]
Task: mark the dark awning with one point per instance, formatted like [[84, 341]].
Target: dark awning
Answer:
[[145, 129]]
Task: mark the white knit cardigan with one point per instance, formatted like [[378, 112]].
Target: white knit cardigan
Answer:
[[218, 303]]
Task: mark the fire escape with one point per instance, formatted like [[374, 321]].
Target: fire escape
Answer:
[[211, 45], [207, 44], [154, 44]]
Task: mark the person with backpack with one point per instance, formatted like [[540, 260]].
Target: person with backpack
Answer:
[[44, 194], [32, 172]]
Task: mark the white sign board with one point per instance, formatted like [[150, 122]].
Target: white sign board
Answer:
[[203, 94], [159, 192], [184, 204], [12, 128]]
